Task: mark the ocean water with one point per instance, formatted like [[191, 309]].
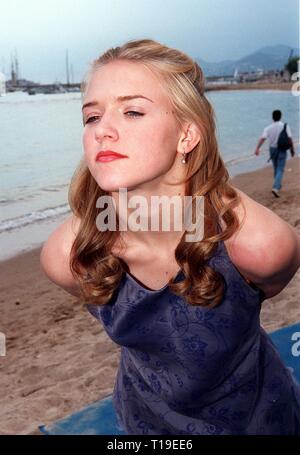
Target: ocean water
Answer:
[[40, 147]]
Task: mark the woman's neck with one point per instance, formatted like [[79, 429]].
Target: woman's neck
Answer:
[[151, 216]]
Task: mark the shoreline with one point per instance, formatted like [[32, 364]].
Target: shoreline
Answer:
[[59, 359], [286, 86]]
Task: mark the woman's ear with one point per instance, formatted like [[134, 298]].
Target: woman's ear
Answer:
[[189, 138]]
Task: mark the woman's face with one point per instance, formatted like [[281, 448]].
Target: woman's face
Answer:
[[143, 128]]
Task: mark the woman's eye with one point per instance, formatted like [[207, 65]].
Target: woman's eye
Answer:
[[92, 119], [134, 114]]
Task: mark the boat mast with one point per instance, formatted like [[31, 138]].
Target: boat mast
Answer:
[[67, 67]]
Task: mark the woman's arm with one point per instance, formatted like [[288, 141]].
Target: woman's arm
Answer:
[[55, 255], [266, 249]]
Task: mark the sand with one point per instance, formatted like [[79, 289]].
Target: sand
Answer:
[[59, 359]]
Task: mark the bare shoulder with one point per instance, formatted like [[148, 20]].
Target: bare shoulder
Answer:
[[265, 248], [55, 255]]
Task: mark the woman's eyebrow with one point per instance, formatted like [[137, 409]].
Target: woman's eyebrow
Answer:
[[119, 99], [131, 97]]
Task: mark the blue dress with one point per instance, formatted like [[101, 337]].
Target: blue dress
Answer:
[[187, 369]]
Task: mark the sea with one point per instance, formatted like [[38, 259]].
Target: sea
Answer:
[[41, 146]]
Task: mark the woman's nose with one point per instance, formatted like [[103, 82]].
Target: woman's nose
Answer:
[[105, 128]]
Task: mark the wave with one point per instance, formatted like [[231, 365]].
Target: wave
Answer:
[[8, 201], [245, 158], [29, 193], [32, 217], [55, 188], [242, 159]]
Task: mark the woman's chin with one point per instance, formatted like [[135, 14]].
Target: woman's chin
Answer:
[[115, 184], [112, 186]]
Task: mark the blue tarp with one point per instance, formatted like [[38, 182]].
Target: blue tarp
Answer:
[[100, 418], [97, 418]]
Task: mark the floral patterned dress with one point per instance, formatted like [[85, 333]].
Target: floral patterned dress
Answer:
[[187, 369]]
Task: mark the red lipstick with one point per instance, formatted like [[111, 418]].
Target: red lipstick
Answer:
[[108, 155]]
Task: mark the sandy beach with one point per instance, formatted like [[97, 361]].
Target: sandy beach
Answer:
[[59, 358]]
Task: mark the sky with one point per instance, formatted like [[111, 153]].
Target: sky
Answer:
[[40, 31]]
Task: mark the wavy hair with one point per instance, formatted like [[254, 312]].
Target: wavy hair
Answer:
[[97, 270]]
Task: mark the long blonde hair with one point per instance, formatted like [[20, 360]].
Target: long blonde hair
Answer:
[[96, 269]]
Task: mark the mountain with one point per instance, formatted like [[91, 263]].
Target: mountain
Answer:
[[267, 58]]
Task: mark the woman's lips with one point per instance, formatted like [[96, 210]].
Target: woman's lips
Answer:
[[108, 155]]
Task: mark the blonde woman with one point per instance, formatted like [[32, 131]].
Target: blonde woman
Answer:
[[194, 358]]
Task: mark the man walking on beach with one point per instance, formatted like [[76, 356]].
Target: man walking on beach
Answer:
[[277, 155]]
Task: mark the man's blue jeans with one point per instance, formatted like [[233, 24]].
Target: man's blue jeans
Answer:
[[278, 158]]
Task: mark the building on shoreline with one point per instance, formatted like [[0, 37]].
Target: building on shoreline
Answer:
[[2, 84], [248, 78]]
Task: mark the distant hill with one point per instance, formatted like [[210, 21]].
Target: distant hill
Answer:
[[267, 58]]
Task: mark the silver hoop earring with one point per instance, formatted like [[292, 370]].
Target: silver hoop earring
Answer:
[[183, 158]]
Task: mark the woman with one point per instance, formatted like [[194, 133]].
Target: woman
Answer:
[[194, 358]]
